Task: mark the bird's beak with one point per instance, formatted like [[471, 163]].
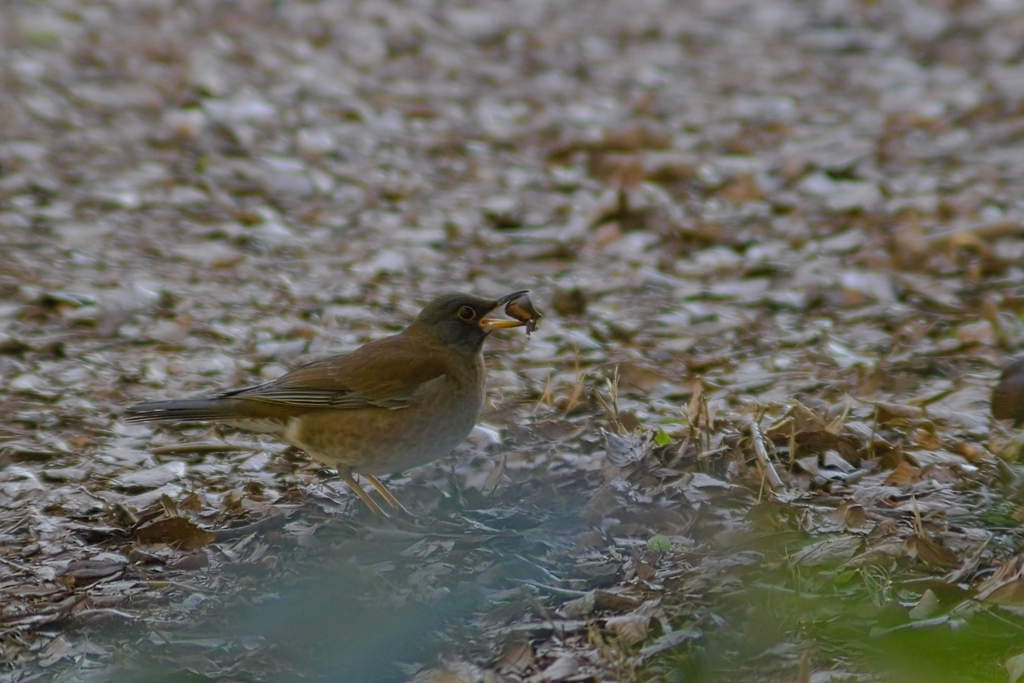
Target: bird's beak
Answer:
[[509, 297], [491, 324]]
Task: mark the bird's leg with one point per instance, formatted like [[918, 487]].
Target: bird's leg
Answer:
[[383, 491], [363, 495]]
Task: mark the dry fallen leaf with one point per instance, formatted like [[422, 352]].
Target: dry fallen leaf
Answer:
[[1015, 668], [177, 532], [904, 475], [559, 670], [926, 606]]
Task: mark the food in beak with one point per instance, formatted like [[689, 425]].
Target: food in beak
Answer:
[[519, 307], [523, 310]]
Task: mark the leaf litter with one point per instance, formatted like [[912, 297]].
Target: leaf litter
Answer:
[[781, 245]]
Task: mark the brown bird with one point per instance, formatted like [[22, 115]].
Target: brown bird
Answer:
[[392, 404], [1008, 396]]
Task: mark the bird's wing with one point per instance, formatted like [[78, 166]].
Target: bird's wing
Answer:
[[383, 374]]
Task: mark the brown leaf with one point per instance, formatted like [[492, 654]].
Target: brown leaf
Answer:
[[86, 572], [189, 562], [926, 439], [821, 441], [614, 601], [645, 572], [670, 167], [804, 675], [640, 377], [853, 515], [904, 474], [559, 670], [973, 452], [1010, 594], [633, 628], [517, 657], [742, 190], [630, 628], [888, 412], [632, 136], [625, 171], [577, 607], [1006, 585], [932, 553], [176, 531]]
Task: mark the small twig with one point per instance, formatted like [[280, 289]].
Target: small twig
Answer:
[[612, 407], [608, 411], [577, 390], [836, 425], [709, 422], [918, 524], [555, 590], [12, 563], [762, 456], [546, 398], [613, 391], [792, 445], [107, 612]]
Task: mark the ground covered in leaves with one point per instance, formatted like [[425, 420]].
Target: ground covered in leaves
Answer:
[[779, 245]]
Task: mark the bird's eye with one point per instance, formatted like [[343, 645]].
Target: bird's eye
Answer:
[[467, 313]]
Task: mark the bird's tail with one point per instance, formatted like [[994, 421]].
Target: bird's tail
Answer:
[[182, 410]]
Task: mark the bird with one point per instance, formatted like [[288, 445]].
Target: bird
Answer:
[[1008, 396], [390, 405]]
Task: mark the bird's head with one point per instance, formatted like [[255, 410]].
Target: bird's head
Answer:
[[461, 320]]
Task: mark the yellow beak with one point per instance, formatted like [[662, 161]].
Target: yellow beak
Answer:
[[491, 324]]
